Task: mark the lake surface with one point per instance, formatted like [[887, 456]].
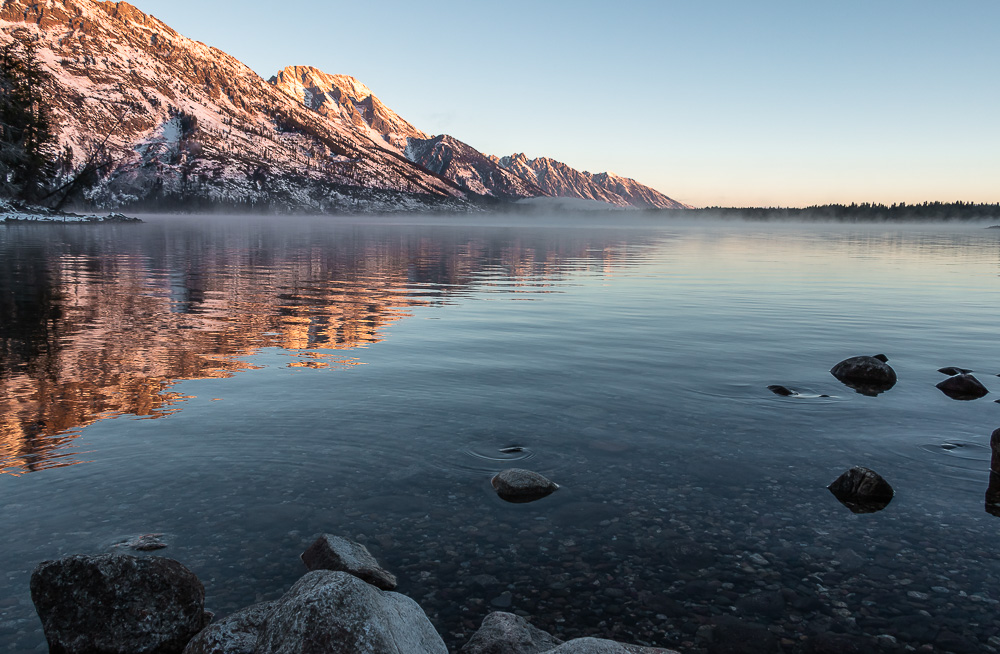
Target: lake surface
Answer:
[[240, 386]]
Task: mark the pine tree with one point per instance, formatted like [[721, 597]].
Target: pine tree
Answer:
[[27, 142]]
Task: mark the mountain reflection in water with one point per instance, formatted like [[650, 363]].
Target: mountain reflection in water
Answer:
[[102, 323]]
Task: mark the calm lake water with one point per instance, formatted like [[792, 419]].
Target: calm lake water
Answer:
[[240, 386]]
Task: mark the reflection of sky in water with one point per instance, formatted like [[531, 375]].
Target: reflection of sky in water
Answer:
[[365, 380]]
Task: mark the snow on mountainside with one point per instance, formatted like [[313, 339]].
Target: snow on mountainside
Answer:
[[341, 97], [189, 125], [469, 168], [559, 180]]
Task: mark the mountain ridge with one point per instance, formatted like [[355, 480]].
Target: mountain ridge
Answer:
[[166, 121]]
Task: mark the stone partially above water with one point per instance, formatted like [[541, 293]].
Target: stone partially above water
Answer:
[[116, 603], [335, 612], [862, 490], [952, 370], [868, 375], [236, 634], [506, 633], [778, 389], [963, 386], [330, 552], [517, 485]]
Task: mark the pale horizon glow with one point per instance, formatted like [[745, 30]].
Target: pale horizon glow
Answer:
[[712, 103]]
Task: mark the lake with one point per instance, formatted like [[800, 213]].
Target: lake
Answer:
[[242, 385]]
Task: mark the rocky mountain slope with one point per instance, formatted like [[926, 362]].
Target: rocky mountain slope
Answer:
[[168, 121], [162, 121]]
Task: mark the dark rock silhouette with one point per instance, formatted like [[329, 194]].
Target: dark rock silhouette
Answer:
[[952, 370], [517, 485], [777, 389], [868, 375], [862, 490], [330, 552], [116, 603], [963, 387]]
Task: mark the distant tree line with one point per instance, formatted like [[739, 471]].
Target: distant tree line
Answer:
[[863, 212]]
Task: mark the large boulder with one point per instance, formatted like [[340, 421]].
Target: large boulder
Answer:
[[330, 552], [517, 485], [506, 633], [962, 386], [236, 634], [868, 375], [116, 603], [337, 613], [862, 490]]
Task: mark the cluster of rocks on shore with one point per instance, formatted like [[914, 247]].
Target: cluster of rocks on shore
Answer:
[[18, 212], [122, 604]]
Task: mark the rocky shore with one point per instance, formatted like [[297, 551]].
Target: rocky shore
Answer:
[[16, 212], [121, 604]]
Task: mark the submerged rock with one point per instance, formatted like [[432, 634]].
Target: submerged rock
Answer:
[[517, 485], [862, 490], [236, 634], [868, 375], [144, 543], [963, 386], [330, 552], [952, 370], [506, 633], [116, 603], [777, 389], [327, 611]]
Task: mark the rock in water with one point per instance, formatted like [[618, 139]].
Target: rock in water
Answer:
[[506, 633], [862, 490], [509, 634], [517, 485], [335, 553], [236, 634], [337, 613], [952, 370], [963, 386], [777, 389], [116, 603], [867, 375]]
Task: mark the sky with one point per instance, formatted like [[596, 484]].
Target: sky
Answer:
[[712, 102]]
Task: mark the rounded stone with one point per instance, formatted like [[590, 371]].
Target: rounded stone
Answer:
[[517, 485]]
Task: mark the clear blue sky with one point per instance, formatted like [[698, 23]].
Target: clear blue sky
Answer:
[[711, 102]]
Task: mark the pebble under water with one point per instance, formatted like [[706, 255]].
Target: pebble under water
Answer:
[[234, 387]]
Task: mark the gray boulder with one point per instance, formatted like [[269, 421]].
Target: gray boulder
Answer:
[[601, 646], [862, 490], [335, 553], [116, 603], [236, 634], [517, 485], [506, 633], [337, 613], [868, 375], [962, 386]]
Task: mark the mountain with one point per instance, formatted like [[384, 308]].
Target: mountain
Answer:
[[343, 98], [164, 122], [469, 168], [168, 121], [559, 180]]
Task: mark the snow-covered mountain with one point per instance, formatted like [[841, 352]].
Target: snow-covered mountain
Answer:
[[173, 122], [469, 168], [169, 122]]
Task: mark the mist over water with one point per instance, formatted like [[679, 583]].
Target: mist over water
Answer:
[[240, 385]]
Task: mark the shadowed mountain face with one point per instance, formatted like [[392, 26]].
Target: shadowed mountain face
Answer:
[[188, 124]]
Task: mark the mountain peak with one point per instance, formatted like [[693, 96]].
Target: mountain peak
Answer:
[[342, 97]]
